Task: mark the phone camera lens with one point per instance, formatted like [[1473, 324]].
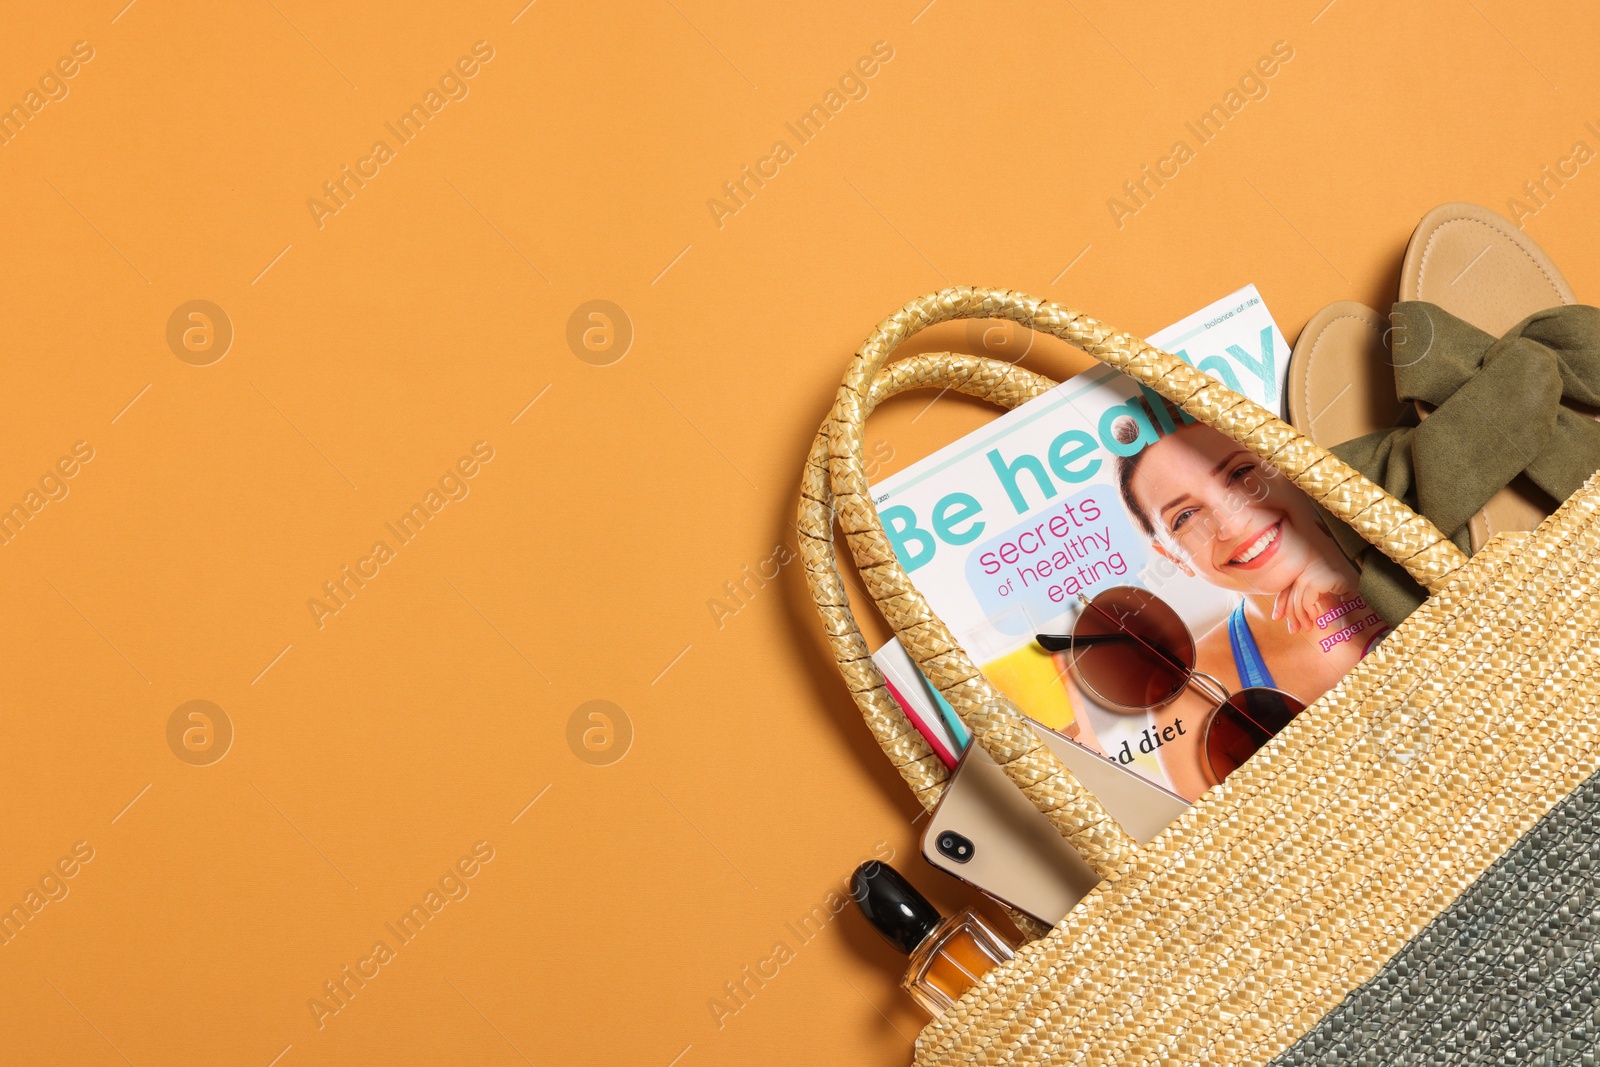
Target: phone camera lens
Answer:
[[955, 846]]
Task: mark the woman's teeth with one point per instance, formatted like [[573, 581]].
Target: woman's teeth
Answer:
[[1261, 544]]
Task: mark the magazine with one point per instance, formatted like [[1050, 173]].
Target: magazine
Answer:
[[1101, 483]]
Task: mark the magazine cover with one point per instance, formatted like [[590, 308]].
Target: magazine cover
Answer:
[[1102, 483]]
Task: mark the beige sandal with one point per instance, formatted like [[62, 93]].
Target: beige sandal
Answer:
[[1341, 382], [1469, 262], [1480, 268]]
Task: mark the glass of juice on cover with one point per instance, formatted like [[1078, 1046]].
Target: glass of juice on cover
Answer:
[[1027, 674]]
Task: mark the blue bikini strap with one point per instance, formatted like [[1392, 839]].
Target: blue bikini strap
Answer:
[[1246, 656]]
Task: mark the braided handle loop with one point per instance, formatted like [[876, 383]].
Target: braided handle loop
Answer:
[[1390, 526], [987, 379]]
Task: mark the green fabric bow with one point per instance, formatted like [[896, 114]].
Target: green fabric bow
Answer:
[[1496, 412]]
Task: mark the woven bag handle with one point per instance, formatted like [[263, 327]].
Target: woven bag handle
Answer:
[[1000, 383], [1383, 521]]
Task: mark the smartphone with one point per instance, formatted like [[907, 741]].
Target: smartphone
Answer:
[[986, 833]]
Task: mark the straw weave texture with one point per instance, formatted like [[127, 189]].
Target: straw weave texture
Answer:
[[1505, 975]]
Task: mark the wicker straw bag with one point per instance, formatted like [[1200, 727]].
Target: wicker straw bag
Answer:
[[1404, 875]]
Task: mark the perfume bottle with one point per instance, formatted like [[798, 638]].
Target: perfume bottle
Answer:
[[948, 956]]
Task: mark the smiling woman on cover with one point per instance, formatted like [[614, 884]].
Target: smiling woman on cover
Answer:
[[1216, 511]]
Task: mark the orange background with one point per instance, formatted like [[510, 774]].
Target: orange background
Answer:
[[374, 752]]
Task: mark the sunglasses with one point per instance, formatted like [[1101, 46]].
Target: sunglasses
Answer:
[[1131, 650]]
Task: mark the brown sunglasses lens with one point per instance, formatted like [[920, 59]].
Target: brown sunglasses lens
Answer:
[[1131, 649], [1242, 724]]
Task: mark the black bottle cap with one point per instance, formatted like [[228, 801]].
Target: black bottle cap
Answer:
[[893, 906]]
